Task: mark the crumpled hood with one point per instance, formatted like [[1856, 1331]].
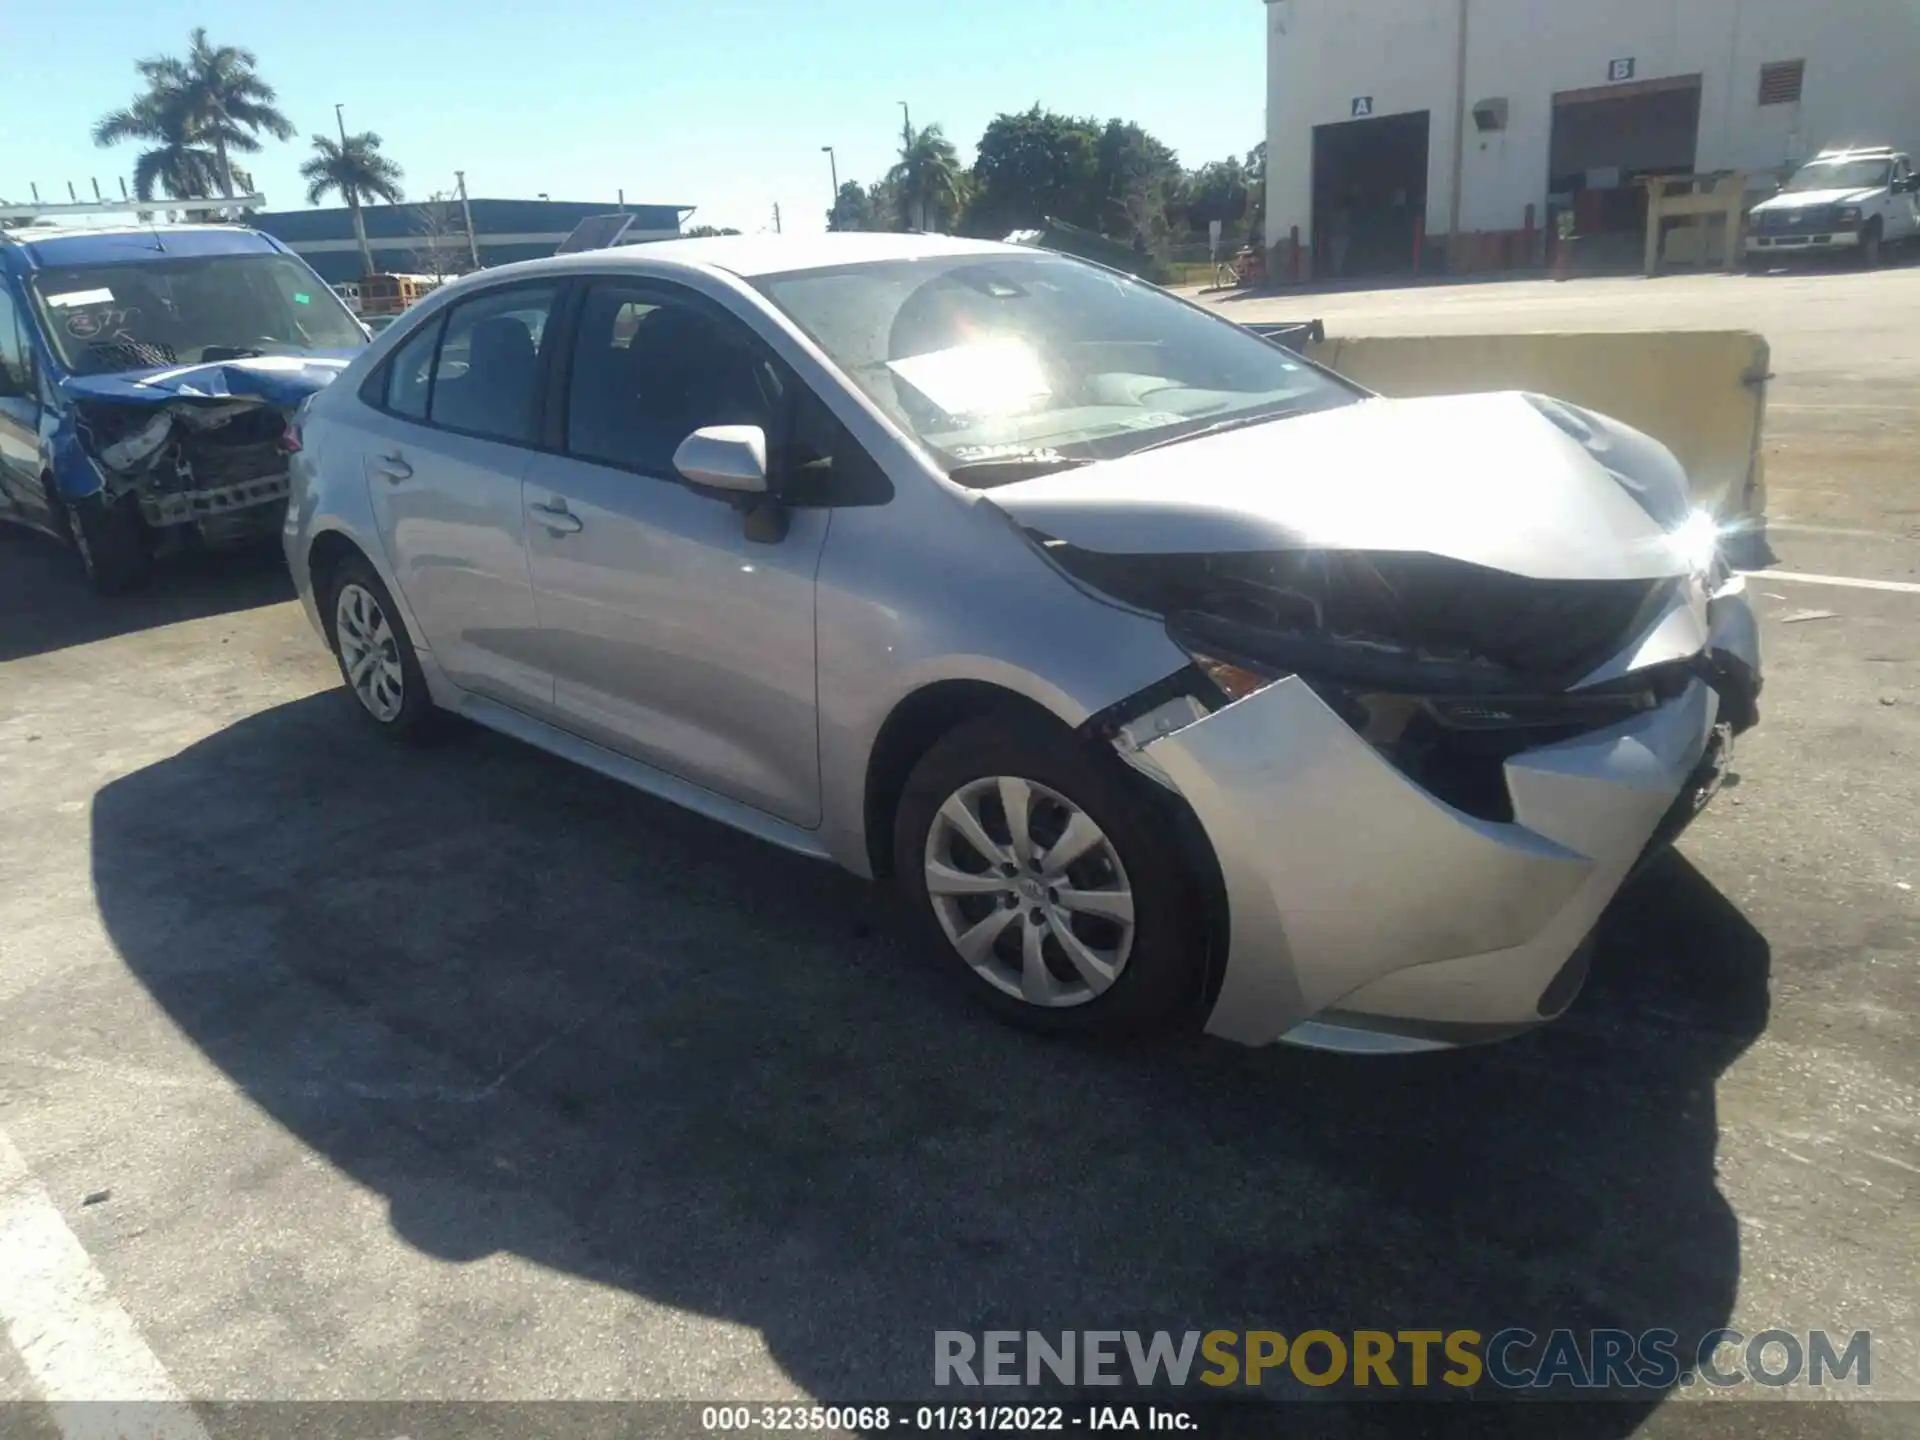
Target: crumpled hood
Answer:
[[1512, 481], [276, 379], [1801, 199]]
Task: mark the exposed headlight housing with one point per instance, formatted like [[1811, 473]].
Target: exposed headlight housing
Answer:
[[1849, 214]]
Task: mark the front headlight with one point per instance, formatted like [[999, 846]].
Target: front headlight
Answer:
[[1695, 542], [1849, 214]]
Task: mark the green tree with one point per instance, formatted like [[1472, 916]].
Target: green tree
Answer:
[[174, 163], [214, 97], [1216, 191], [1139, 180], [1034, 166], [701, 232], [1256, 166], [931, 182], [852, 208], [884, 205], [356, 171]]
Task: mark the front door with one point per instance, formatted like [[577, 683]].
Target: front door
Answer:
[[445, 457], [20, 489], [1903, 203], [672, 636]]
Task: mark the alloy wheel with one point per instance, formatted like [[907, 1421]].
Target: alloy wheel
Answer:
[[1030, 891], [369, 654]]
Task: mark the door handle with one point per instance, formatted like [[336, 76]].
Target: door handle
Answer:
[[394, 468], [557, 518]]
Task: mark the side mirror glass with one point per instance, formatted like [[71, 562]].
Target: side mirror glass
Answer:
[[725, 457]]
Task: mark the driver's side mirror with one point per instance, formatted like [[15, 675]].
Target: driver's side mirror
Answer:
[[725, 457], [732, 459]]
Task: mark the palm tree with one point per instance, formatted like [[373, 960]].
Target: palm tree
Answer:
[[929, 179], [216, 97], [181, 168], [356, 170]]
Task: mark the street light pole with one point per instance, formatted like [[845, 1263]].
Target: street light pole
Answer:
[[466, 211], [906, 127], [833, 168], [341, 119]]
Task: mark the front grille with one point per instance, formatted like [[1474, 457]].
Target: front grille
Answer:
[[1808, 220]]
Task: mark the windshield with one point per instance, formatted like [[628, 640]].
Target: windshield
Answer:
[[1841, 175], [997, 361], [106, 318]]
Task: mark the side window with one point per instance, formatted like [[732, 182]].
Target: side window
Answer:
[[650, 368], [14, 378], [823, 464], [484, 380], [410, 372]]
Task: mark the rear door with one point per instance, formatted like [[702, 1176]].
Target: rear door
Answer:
[[448, 446], [674, 637]]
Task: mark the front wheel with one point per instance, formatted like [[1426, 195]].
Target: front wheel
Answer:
[[1870, 247], [111, 540], [1049, 881]]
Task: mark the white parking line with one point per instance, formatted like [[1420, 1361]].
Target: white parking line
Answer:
[[1851, 582], [78, 1345]]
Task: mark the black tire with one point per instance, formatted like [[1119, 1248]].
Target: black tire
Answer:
[[111, 541], [415, 718], [1159, 984], [1870, 246]]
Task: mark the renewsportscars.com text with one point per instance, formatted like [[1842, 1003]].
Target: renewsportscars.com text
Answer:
[[1379, 1360]]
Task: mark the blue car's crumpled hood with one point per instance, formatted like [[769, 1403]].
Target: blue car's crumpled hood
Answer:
[[276, 379]]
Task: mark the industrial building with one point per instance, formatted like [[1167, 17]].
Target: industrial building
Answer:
[[1429, 132], [419, 238]]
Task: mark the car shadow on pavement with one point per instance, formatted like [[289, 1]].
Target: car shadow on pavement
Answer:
[[543, 1015], [45, 604]]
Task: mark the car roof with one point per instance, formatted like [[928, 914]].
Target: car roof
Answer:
[[1856, 152], [748, 256], [130, 244]]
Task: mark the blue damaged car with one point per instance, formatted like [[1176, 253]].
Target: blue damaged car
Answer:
[[147, 375]]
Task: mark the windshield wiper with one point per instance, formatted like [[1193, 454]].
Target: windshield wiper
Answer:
[[1218, 427], [985, 474]]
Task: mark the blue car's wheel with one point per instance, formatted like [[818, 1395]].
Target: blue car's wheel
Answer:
[[111, 540]]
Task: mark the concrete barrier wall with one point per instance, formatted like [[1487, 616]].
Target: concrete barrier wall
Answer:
[[1702, 393]]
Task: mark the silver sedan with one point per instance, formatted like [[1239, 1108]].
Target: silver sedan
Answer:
[[1173, 679]]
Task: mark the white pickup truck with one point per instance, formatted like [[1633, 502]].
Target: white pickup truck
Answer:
[[1859, 199]]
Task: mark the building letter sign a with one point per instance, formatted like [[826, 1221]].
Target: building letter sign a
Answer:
[[1618, 70], [1363, 104]]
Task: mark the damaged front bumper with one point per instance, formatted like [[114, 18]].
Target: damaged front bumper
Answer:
[[1366, 914], [197, 447]]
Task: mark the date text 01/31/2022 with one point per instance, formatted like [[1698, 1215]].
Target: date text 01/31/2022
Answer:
[[942, 1419]]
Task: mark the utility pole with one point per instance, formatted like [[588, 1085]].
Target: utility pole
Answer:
[[906, 126], [466, 211], [1459, 137], [776, 218]]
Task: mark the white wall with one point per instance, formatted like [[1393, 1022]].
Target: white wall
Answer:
[[1862, 83]]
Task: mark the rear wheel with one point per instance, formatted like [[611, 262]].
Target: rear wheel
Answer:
[[1049, 881], [111, 540], [376, 658]]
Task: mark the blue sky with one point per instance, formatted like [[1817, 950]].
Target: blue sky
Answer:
[[723, 104]]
